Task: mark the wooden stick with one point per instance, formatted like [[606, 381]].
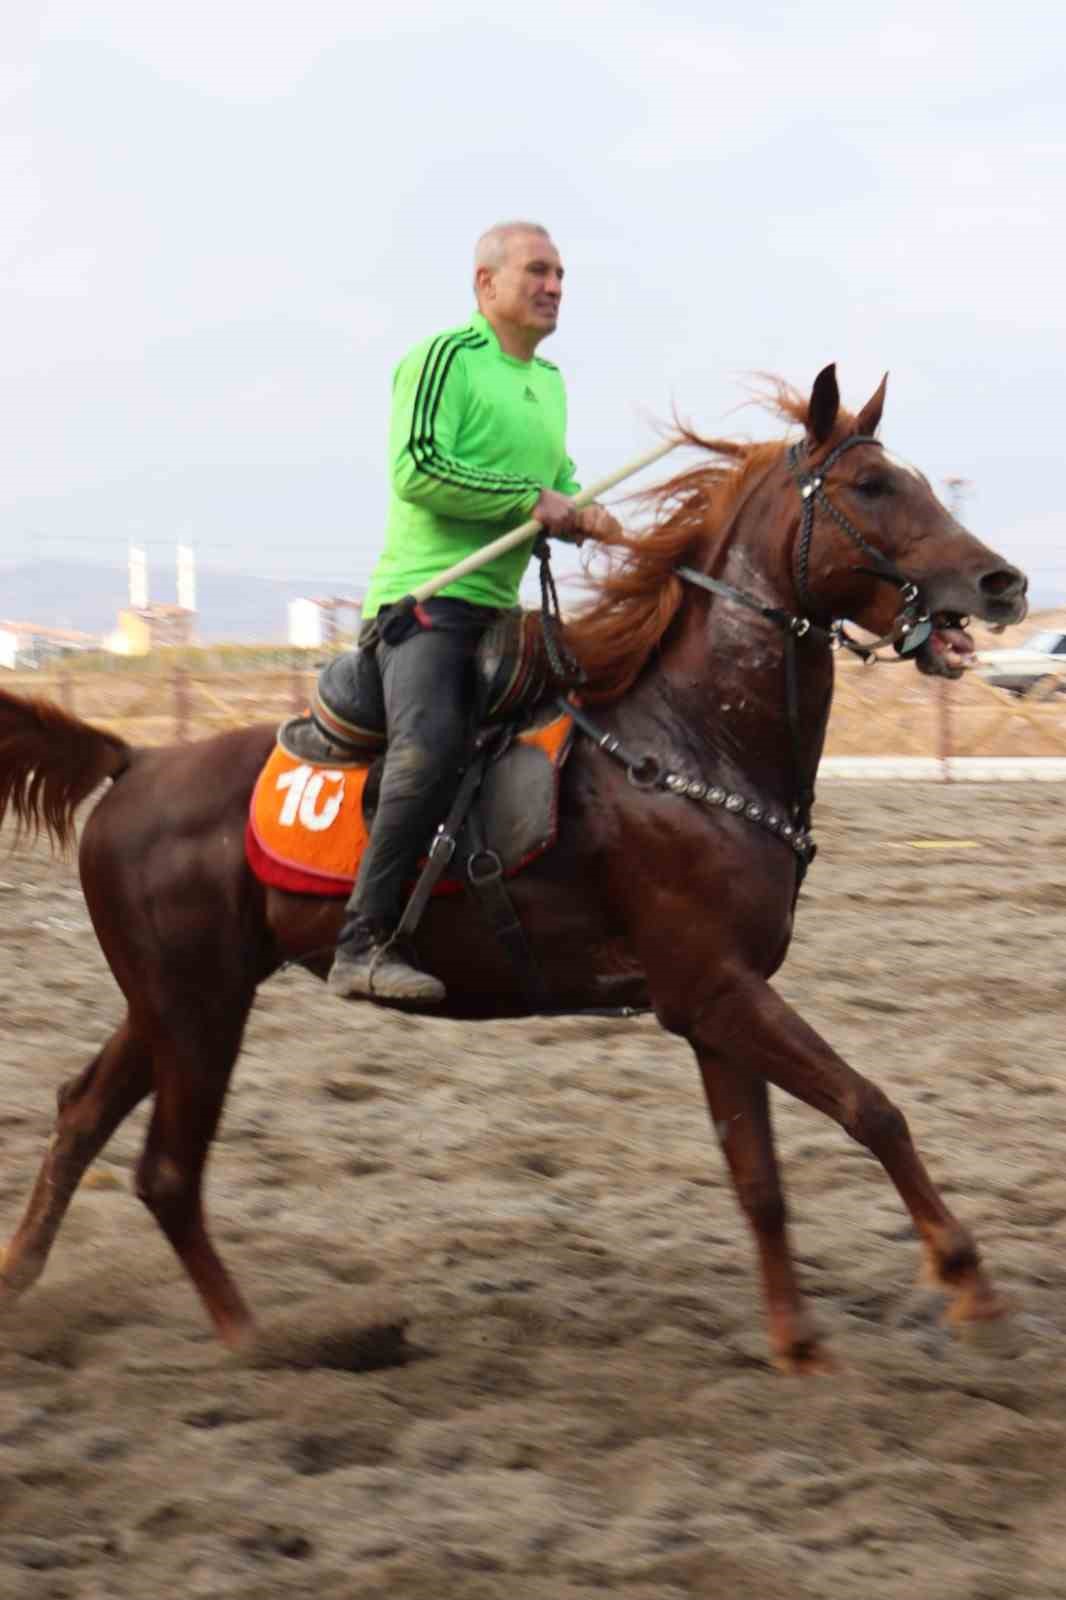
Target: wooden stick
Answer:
[[507, 541]]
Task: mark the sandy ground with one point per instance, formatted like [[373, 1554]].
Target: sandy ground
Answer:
[[579, 1403]]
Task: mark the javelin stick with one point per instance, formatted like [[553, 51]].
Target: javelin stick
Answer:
[[507, 541]]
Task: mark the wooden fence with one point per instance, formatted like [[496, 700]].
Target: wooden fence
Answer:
[[888, 709], [175, 704], [883, 710]]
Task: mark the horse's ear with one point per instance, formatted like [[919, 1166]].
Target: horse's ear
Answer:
[[869, 417], [824, 404]]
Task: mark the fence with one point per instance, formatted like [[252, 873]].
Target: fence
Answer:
[[890, 710], [178, 699], [884, 710]]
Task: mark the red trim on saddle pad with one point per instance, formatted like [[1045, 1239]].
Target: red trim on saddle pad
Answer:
[[282, 875], [278, 874]]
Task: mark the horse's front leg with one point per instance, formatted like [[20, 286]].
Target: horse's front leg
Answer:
[[743, 1029], [740, 1110]]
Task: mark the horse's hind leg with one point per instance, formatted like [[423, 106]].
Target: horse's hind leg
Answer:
[[91, 1106], [193, 1061]]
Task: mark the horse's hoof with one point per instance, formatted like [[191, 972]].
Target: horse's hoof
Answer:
[[807, 1361], [996, 1335], [975, 1303], [15, 1282], [239, 1338]]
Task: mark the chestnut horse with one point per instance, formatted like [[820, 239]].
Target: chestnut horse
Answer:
[[673, 883]]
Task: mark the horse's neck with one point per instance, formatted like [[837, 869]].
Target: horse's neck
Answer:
[[724, 680]]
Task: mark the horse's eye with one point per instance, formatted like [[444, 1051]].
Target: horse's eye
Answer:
[[873, 487]]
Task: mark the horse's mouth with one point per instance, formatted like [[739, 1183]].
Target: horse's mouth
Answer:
[[949, 649]]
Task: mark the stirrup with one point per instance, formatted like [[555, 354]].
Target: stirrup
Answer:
[[379, 971]]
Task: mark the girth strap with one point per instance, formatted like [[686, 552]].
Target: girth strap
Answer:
[[484, 875]]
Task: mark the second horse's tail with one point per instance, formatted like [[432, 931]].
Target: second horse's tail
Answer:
[[49, 762]]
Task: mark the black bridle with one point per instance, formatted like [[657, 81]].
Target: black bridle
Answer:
[[911, 627]]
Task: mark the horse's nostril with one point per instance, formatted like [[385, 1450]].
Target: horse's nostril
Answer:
[[1006, 584]]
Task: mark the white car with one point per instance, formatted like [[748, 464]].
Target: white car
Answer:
[[1040, 660]]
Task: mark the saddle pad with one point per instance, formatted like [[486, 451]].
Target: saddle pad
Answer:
[[306, 830]]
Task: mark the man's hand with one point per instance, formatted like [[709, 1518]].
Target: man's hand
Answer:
[[558, 516], [561, 518], [596, 522]]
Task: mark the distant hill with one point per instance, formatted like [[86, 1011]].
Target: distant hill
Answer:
[[231, 605]]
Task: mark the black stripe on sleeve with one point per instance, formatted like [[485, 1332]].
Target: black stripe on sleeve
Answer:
[[440, 351], [422, 443]]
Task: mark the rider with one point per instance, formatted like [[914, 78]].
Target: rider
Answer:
[[478, 446]]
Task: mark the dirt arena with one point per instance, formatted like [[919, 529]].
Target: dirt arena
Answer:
[[513, 1342]]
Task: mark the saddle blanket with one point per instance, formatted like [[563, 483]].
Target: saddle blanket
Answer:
[[307, 827]]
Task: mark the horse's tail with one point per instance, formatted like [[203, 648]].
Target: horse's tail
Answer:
[[49, 762]]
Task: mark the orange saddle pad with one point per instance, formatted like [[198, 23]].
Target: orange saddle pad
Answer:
[[306, 831]]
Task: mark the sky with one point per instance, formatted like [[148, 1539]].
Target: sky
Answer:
[[225, 221]]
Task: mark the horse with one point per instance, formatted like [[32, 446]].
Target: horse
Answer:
[[683, 834]]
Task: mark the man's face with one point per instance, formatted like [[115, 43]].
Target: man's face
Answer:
[[527, 289]]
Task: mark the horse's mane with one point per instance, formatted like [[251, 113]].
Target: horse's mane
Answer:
[[637, 594]]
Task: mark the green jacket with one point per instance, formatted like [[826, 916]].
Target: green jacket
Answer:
[[475, 436]]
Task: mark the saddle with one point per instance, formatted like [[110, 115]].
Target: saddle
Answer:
[[311, 809], [313, 803], [513, 676]]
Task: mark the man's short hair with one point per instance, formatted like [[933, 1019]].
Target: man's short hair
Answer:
[[491, 248]]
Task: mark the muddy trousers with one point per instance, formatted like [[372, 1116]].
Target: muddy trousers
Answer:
[[429, 690]]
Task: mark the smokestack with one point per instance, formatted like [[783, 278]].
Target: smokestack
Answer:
[[187, 577], [138, 578]]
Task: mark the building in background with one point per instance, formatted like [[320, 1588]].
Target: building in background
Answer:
[[31, 644], [152, 627], [323, 622], [145, 625]]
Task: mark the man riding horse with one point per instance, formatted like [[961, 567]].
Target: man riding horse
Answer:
[[477, 447]]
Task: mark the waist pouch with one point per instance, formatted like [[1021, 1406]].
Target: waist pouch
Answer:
[[404, 618]]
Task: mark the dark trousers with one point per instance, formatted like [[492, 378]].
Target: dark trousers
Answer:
[[428, 680]]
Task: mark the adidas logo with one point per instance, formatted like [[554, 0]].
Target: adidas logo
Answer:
[[529, 395]]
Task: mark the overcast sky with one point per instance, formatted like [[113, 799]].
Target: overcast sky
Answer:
[[224, 221]]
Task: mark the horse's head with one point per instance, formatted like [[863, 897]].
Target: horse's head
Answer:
[[876, 545]]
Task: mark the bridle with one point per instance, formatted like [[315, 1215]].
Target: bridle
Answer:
[[913, 624], [910, 628]]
